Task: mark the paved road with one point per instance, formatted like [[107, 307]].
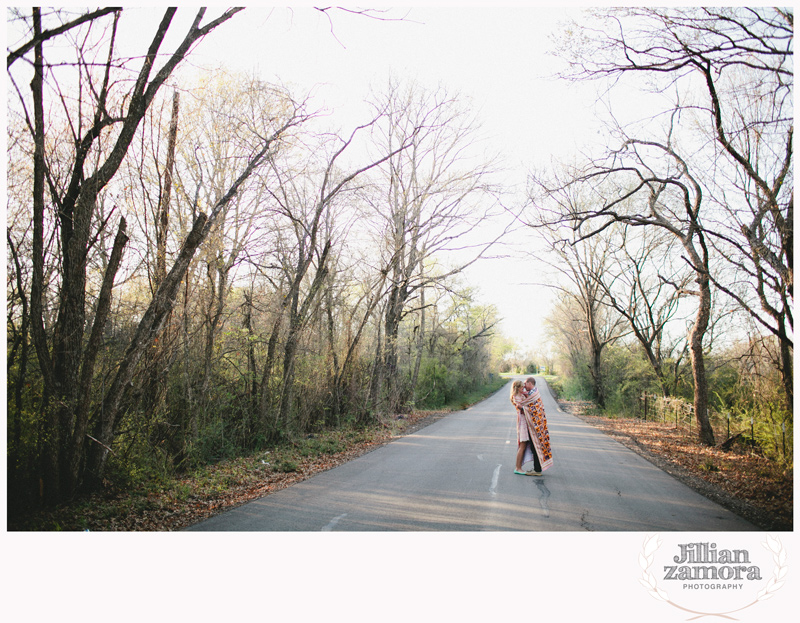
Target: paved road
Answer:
[[458, 474]]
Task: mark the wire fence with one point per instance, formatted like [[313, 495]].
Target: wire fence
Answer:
[[680, 412]]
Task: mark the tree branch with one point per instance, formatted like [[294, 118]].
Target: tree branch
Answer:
[[42, 36]]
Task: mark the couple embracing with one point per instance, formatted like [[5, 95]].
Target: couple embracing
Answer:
[[533, 439]]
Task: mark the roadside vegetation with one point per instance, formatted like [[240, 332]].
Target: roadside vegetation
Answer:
[[670, 244]]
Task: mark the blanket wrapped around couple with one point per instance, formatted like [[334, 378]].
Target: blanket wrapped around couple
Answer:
[[532, 410]]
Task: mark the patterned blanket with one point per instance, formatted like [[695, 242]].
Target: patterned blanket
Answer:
[[532, 409]]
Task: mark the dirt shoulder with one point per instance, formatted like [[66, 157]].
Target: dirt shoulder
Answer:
[[738, 479]]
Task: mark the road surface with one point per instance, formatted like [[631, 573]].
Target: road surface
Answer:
[[458, 475]]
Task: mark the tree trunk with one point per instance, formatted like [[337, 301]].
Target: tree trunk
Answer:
[[37, 281], [420, 342], [218, 280], [49, 484], [287, 386], [298, 314], [76, 450], [596, 348], [394, 310], [162, 224], [189, 420], [68, 343], [251, 380], [155, 385], [787, 367], [376, 382], [698, 361], [336, 381], [264, 402], [373, 301]]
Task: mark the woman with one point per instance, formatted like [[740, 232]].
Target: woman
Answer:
[[533, 438]]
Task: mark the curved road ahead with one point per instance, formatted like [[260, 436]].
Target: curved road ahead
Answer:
[[458, 474]]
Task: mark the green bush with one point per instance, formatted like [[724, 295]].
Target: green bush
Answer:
[[576, 388], [433, 384]]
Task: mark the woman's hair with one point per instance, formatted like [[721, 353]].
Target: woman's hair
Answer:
[[515, 388]]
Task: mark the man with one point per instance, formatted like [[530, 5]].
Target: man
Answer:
[[530, 385]]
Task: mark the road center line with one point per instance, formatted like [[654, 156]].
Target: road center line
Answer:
[[495, 478], [333, 523]]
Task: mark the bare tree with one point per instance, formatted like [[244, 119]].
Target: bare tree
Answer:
[[733, 67], [306, 203], [152, 322], [225, 116], [143, 185], [642, 284], [432, 196], [579, 265], [566, 330], [648, 184], [357, 287], [39, 36]]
